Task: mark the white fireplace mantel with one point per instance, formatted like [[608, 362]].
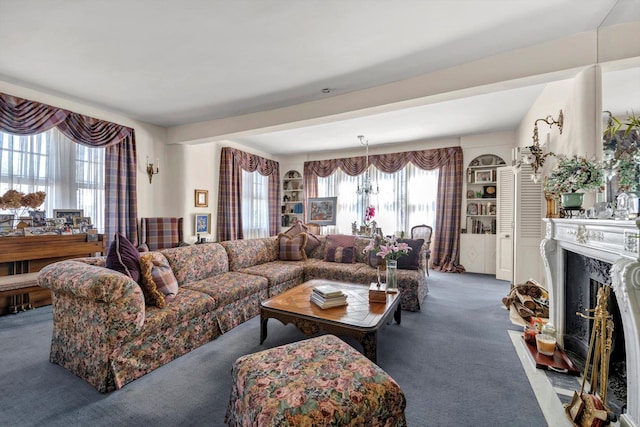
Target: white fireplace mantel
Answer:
[[615, 242]]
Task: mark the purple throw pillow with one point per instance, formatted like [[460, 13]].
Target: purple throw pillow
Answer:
[[124, 257], [411, 261]]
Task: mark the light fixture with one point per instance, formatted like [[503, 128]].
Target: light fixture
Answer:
[[537, 155], [152, 169], [367, 185]]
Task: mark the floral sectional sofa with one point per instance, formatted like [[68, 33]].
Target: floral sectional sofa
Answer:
[[105, 333]]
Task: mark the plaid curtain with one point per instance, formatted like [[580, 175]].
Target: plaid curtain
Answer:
[[446, 251], [232, 162], [23, 117]]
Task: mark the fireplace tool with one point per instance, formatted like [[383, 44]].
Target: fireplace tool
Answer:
[[590, 409]]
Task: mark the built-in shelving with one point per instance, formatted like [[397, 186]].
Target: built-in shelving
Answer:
[[292, 207]]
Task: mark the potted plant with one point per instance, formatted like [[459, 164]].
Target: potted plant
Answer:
[[570, 175]]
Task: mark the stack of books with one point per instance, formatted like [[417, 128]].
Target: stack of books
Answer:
[[327, 296]]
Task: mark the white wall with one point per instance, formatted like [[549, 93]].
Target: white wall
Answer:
[[196, 167]]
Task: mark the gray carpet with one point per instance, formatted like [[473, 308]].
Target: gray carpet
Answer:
[[454, 361]]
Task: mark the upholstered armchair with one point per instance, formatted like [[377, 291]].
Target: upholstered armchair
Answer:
[[423, 231], [160, 233]]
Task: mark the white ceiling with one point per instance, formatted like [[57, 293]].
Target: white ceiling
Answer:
[[170, 63]]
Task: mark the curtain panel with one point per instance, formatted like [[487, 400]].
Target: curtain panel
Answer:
[[446, 251], [23, 117], [232, 162]]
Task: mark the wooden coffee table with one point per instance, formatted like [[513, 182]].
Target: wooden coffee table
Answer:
[[359, 319]]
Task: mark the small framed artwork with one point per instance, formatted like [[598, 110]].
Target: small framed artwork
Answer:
[[82, 222], [471, 194], [203, 223], [68, 214], [483, 176], [6, 220], [38, 218], [492, 209], [472, 209], [201, 198], [322, 210]]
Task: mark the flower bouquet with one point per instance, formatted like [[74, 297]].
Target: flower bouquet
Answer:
[[19, 203]]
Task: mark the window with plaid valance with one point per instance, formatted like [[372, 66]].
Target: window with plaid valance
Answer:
[[446, 250], [20, 116], [232, 162]]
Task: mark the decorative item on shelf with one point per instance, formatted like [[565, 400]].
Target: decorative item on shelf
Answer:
[[367, 186], [152, 169], [570, 175], [537, 154], [19, 204]]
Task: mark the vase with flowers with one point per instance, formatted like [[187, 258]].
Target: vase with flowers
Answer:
[[19, 203], [571, 175], [387, 250]]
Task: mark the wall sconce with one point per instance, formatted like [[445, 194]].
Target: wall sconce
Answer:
[[152, 169], [537, 155]]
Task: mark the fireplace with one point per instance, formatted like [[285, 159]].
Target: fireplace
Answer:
[[579, 256], [583, 277]]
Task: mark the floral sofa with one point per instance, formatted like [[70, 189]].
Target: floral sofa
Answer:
[[106, 334]]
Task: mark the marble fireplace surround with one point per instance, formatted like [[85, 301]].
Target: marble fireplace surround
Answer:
[[615, 242]]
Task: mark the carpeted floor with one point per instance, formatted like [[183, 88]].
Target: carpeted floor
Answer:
[[454, 360]]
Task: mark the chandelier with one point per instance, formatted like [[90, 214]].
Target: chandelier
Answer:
[[367, 185]]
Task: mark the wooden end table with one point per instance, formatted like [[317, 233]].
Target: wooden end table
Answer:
[[359, 319]]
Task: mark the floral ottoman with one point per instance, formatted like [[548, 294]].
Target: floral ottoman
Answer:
[[318, 381]]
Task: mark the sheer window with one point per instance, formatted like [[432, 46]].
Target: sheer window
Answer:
[[255, 205], [406, 198], [71, 174]]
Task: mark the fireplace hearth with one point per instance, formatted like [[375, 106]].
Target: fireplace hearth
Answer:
[[580, 256]]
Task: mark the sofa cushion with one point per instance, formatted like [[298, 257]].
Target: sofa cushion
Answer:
[[158, 282], [248, 252], [197, 262], [312, 240], [292, 247], [278, 272], [412, 260], [230, 287], [124, 257]]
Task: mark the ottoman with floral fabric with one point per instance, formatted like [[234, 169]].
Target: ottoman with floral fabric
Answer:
[[320, 381]]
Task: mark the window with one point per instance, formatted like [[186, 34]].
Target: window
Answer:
[[255, 205], [406, 198], [71, 174]]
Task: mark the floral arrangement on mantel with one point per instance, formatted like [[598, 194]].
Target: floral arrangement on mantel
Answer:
[[387, 247], [19, 203], [573, 174]]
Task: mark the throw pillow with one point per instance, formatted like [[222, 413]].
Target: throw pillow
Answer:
[[340, 254], [159, 284], [312, 240], [124, 257], [292, 248], [340, 248], [411, 261]]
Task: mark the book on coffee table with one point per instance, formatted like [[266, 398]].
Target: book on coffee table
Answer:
[[328, 291], [328, 302]]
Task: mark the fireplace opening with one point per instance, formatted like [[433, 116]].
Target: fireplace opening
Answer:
[[583, 277]]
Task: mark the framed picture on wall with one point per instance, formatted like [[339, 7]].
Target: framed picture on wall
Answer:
[[322, 210], [203, 223], [202, 198]]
